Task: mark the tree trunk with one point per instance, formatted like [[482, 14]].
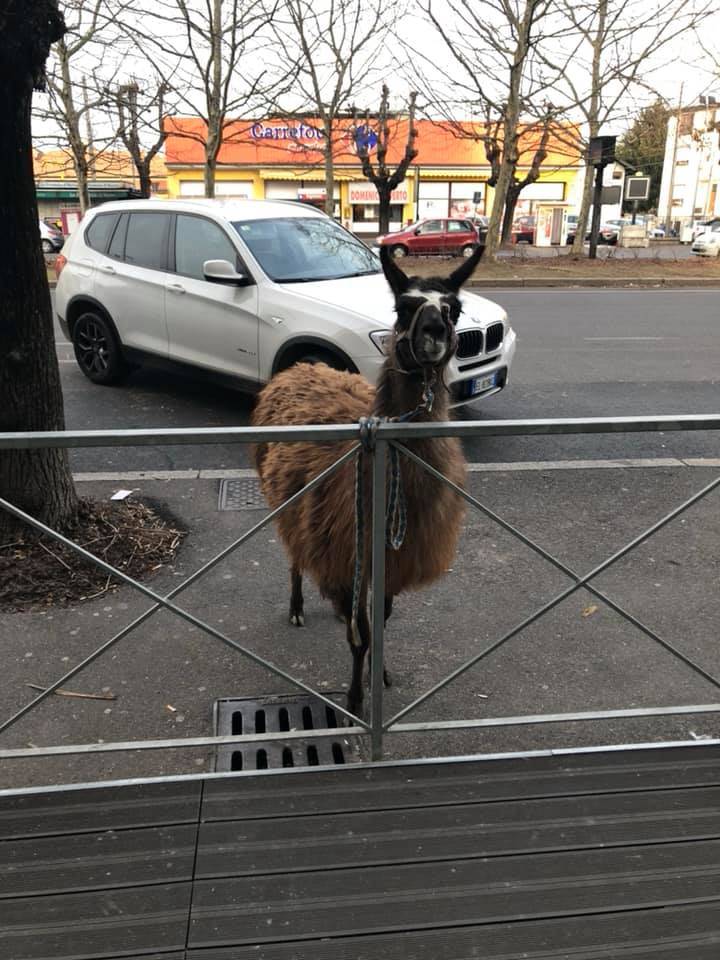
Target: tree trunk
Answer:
[[501, 188], [143, 169], [37, 481], [384, 213], [210, 168], [329, 173], [578, 246], [513, 195]]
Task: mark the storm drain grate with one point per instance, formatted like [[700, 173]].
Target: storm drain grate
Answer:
[[274, 715], [241, 494]]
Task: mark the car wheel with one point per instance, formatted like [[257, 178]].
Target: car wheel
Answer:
[[323, 356], [468, 250], [98, 350], [398, 252], [47, 247]]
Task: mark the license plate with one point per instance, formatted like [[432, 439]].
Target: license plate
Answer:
[[481, 384]]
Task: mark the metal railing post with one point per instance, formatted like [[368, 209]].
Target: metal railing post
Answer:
[[379, 462]]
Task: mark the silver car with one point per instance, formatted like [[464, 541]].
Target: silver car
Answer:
[[242, 289]]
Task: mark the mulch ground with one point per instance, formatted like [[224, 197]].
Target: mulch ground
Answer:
[[128, 535]]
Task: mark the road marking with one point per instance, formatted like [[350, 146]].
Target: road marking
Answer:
[[515, 467], [593, 339]]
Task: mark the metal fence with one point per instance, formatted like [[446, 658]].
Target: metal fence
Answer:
[[387, 434]]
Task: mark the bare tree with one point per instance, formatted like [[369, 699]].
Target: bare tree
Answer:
[[38, 481], [493, 43], [76, 84], [333, 47], [213, 56], [379, 171], [132, 112], [617, 45]]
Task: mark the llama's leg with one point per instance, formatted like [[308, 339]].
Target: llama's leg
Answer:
[[358, 641], [297, 609], [387, 676]]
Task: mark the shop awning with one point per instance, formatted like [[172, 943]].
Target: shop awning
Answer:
[[454, 173], [279, 173]]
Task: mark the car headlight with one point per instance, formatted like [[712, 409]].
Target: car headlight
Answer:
[[381, 339]]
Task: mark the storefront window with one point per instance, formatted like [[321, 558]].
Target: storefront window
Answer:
[[368, 212]]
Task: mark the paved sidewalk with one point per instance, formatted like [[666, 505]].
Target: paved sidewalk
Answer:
[[167, 674]]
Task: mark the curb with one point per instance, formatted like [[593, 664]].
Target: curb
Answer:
[[668, 283]]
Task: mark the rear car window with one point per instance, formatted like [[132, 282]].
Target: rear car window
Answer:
[[117, 244], [146, 243], [100, 230]]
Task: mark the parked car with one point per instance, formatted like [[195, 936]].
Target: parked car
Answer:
[[481, 224], [572, 222], [51, 239], [707, 243], [241, 289], [701, 226], [451, 235], [523, 230]]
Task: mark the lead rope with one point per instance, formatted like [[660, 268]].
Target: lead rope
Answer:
[[396, 512]]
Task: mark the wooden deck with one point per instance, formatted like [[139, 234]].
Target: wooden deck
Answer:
[[593, 855]]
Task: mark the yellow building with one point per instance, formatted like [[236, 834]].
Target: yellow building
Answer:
[[283, 159]]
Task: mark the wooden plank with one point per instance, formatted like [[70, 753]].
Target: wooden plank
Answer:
[[388, 787], [98, 808], [281, 845], [79, 926], [675, 933], [486, 890], [113, 858]]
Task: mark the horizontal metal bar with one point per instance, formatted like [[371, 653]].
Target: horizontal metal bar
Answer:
[[178, 744], [539, 718], [328, 432]]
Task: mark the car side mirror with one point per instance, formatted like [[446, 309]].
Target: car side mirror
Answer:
[[222, 271], [417, 232]]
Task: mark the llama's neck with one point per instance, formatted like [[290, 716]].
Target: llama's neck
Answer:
[[399, 393]]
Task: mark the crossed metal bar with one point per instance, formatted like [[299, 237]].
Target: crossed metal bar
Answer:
[[387, 433]]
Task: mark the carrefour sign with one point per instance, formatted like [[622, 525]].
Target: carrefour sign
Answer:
[[285, 131]]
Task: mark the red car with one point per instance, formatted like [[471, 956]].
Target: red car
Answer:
[[432, 237]]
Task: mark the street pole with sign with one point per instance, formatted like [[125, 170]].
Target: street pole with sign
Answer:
[[601, 152]]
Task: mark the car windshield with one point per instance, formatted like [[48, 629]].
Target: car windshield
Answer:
[[303, 249]]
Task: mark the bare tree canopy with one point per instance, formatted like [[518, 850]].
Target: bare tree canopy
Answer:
[[330, 47], [212, 57], [378, 171], [617, 46]]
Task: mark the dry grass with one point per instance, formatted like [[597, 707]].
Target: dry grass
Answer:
[[611, 267]]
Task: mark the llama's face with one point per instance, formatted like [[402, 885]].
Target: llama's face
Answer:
[[425, 328], [427, 311]]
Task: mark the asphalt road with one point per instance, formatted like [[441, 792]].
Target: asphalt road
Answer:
[[581, 353]]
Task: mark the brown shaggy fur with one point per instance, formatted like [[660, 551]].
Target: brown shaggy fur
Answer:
[[319, 530]]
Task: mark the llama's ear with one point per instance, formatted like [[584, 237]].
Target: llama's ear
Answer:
[[458, 277], [398, 280]]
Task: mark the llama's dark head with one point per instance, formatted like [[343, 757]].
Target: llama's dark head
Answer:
[[427, 310]]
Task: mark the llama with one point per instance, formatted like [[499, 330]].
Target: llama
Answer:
[[319, 531]]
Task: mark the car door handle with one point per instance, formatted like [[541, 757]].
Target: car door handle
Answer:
[[176, 287], [106, 268]]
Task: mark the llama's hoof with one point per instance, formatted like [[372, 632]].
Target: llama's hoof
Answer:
[[297, 619]]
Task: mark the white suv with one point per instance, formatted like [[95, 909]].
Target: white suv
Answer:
[[241, 290]]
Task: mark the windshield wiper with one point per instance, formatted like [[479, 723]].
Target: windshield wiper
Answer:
[[298, 279]]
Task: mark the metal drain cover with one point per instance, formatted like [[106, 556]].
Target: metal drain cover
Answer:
[[273, 714], [241, 494]]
